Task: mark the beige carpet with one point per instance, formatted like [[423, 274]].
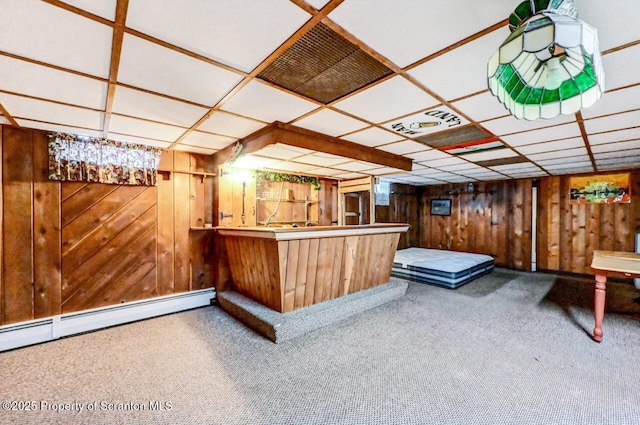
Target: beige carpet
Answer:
[[518, 355]]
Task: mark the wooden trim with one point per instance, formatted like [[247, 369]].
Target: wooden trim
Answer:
[[622, 47], [116, 51], [57, 102], [2, 127], [8, 116], [585, 138], [285, 234], [80, 12]]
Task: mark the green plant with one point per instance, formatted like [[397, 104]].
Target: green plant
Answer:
[[282, 177]]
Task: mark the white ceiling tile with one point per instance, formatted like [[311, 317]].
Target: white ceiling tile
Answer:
[[347, 176], [426, 172], [568, 166], [615, 147], [139, 140], [321, 159], [615, 136], [630, 161], [39, 110], [263, 102], [330, 122], [570, 170], [453, 160], [564, 131], [153, 67], [613, 102], [566, 153], [482, 175], [606, 19], [398, 29], [140, 104], [462, 167], [373, 136], [510, 124], [399, 97], [206, 140], [482, 107], [611, 167], [460, 179], [557, 145], [230, 125], [522, 166], [441, 175], [238, 33], [612, 122], [36, 80], [466, 67], [4, 120], [318, 4], [194, 149], [147, 129], [38, 30], [428, 155], [55, 128], [554, 161], [491, 154], [383, 171], [617, 154], [356, 166], [280, 151], [621, 67], [404, 147], [323, 171], [103, 8]]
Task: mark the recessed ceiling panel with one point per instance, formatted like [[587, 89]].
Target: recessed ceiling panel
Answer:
[[262, 102], [466, 67], [428, 155], [140, 104], [230, 125], [510, 124], [621, 67], [483, 106], [56, 128], [206, 140], [330, 122], [150, 66], [565, 153], [103, 8], [323, 66], [615, 136], [387, 100], [614, 102], [49, 34], [612, 122], [146, 129], [239, 33], [421, 27], [48, 112], [36, 80], [404, 147], [373, 136], [557, 145], [564, 131], [616, 147]]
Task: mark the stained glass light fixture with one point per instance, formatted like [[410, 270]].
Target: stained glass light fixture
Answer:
[[549, 65]]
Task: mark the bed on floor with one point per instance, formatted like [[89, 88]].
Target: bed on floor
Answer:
[[450, 269]]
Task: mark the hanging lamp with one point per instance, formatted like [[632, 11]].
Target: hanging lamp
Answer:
[[549, 65]]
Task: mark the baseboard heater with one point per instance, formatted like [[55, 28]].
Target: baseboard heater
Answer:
[[51, 328]]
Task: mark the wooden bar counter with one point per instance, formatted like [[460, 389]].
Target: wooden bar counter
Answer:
[[290, 268]]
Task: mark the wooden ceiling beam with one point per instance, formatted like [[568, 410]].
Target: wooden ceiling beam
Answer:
[[116, 51], [8, 116], [291, 135]]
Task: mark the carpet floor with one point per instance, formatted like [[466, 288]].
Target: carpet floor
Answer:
[[511, 348]]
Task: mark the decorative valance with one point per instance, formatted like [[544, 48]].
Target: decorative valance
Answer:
[[77, 158]]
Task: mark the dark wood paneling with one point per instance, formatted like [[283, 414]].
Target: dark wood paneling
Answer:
[[569, 233], [46, 228], [17, 169], [165, 237], [181, 215], [404, 207]]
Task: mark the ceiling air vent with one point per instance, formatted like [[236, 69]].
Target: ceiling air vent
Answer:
[[324, 66]]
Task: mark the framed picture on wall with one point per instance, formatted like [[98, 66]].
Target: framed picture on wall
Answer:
[[441, 207], [600, 189]]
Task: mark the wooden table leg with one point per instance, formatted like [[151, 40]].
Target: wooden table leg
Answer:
[[598, 308]]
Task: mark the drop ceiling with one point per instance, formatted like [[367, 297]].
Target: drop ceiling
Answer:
[[406, 77]]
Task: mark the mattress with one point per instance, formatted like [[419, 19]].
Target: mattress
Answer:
[[449, 269]]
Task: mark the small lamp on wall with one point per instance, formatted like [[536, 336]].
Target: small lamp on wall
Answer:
[[549, 65]]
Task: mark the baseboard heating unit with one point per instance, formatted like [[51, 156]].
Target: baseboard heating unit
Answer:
[[41, 330]]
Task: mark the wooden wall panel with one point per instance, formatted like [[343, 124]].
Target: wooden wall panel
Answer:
[[404, 207], [76, 245], [18, 258], [46, 241], [569, 233]]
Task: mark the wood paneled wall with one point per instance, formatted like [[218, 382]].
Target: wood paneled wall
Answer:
[[72, 246], [404, 207], [493, 219], [569, 233]]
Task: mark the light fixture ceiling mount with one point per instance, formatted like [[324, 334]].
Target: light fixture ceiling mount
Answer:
[[549, 65]]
